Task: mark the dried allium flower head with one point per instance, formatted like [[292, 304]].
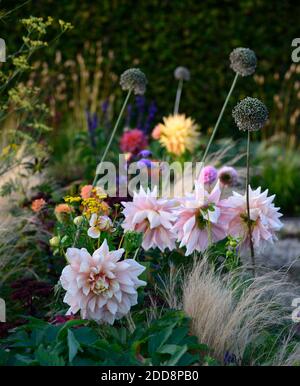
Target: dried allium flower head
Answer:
[[182, 73], [134, 79], [243, 61], [38, 204], [101, 286], [228, 176], [178, 134], [250, 114]]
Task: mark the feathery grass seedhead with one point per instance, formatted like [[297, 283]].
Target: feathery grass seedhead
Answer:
[[250, 114], [134, 79], [243, 61]]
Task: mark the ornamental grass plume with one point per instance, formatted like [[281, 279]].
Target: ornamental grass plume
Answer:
[[229, 312], [250, 114], [100, 286], [178, 134], [153, 217], [181, 74], [132, 80], [243, 62]]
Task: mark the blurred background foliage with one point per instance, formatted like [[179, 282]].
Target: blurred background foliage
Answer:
[[162, 34]]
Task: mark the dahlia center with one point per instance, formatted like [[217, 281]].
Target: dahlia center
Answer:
[[99, 284]]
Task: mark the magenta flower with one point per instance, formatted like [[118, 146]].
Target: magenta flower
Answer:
[[208, 175], [100, 286], [200, 219], [228, 176]]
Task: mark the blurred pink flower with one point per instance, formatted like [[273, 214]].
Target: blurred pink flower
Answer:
[[133, 141], [156, 132], [100, 286], [263, 214], [86, 191], [200, 219], [228, 176], [152, 216], [208, 175], [38, 204]]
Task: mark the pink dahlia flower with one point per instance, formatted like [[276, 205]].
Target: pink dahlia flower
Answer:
[[263, 214], [152, 216], [200, 219], [208, 175], [228, 176], [101, 286], [133, 141]]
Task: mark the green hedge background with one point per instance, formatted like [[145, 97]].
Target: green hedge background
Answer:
[[162, 34]]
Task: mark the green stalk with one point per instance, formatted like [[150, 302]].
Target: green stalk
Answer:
[[248, 205], [219, 118], [178, 96], [113, 133]]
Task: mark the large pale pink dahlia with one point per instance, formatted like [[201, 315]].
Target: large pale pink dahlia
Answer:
[[100, 286], [200, 219], [152, 216], [264, 217]]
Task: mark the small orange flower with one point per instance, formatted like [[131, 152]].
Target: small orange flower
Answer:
[[63, 208], [86, 191], [38, 204], [62, 212]]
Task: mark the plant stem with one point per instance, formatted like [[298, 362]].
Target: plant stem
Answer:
[[178, 96], [219, 118], [248, 205], [113, 133]]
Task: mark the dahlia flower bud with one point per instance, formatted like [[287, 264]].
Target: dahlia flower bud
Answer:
[[78, 220], [228, 176], [134, 79], [243, 61], [250, 114], [182, 73], [54, 241]]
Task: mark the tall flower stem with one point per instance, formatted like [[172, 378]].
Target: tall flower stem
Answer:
[[113, 132], [219, 118], [248, 205], [178, 96]]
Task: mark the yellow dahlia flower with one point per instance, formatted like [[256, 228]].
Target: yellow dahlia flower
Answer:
[[178, 134]]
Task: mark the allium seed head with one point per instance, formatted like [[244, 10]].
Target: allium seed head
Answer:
[[243, 61], [250, 114], [134, 79], [182, 73]]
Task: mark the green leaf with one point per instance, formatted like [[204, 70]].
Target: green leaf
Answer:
[[73, 345], [177, 355]]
